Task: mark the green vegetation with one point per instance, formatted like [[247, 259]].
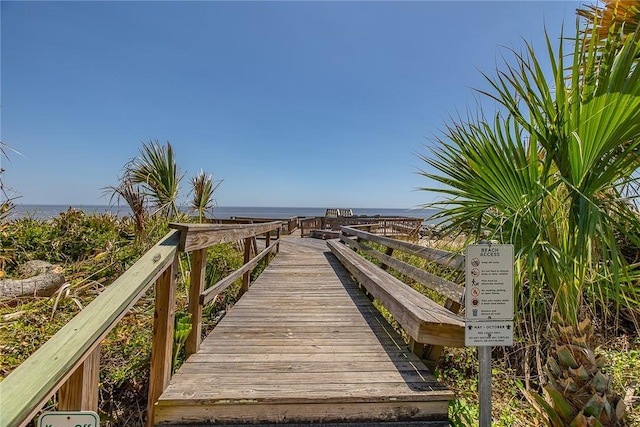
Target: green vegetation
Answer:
[[203, 188], [157, 172], [150, 186], [555, 172], [94, 250]]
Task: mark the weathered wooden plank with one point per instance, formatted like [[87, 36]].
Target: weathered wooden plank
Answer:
[[305, 393], [298, 366], [300, 349], [444, 287], [200, 236], [300, 329], [440, 256], [320, 343], [289, 413], [313, 335], [289, 379], [304, 345], [259, 358]]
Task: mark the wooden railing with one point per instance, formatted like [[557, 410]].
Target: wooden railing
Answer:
[[69, 362], [289, 225], [426, 337], [397, 227]]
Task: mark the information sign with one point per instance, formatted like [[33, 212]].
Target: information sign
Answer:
[[489, 282], [69, 419], [491, 333]]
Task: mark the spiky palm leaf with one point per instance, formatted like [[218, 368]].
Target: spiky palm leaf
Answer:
[[203, 187], [131, 194], [6, 200], [157, 171], [549, 174]]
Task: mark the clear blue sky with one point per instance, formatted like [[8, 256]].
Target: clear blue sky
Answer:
[[292, 103]]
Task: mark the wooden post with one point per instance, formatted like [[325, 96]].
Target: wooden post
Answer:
[[388, 252], [162, 347], [267, 242], [80, 392], [278, 239], [198, 272], [254, 242], [247, 257]]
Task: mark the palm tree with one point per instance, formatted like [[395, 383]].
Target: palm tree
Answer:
[[549, 173], [6, 200], [203, 187], [131, 193], [157, 172]]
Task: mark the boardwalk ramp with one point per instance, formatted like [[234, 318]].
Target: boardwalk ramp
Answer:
[[303, 346]]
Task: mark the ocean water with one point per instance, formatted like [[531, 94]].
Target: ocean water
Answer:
[[220, 212]]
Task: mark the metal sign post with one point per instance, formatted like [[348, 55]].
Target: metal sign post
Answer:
[[488, 310]]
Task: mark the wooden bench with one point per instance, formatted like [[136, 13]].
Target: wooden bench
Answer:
[[429, 325]]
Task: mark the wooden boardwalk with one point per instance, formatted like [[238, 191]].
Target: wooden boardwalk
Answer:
[[304, 345]]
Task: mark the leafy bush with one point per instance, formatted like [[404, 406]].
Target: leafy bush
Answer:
[[94, 250], [71, 237]]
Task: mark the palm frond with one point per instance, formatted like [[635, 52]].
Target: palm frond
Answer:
[[203, 187], [157, 171]]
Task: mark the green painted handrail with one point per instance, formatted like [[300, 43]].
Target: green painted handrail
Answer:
[[31, 384]]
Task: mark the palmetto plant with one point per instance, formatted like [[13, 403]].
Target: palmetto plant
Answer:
[[133, 196], [551, 173], [6, 200], [578, 391], [203, 187], [157, 171]]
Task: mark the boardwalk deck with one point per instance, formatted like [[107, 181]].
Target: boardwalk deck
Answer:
[[304, 345]]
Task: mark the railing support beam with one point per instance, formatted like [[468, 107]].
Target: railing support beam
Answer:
[[247, 257], [198, 274], [163, 326], [80, 391]]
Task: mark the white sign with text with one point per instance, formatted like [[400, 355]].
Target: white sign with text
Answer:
[[489, 282], [490, 333], [69, 419]]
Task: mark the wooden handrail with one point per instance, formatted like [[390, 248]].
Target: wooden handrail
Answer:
[[69, 361], [452, 291], [210, 293], [397, 226], [444, 287], [200, 236], [32, 383], [448, 259]]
